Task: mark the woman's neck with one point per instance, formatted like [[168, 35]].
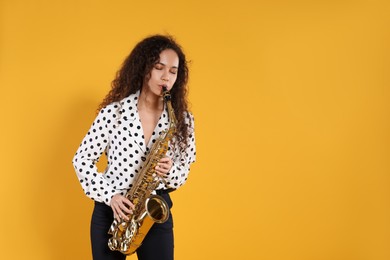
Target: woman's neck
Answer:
[[148, 101]]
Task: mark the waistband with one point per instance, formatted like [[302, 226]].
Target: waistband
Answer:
[[166, 191]]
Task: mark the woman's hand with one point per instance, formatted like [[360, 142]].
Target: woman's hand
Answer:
[[121, 207], [164, 166]]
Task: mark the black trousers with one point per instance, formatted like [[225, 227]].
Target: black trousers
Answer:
[[157, 245]]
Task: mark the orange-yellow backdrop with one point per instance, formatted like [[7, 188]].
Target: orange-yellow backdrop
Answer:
[[292, 110]]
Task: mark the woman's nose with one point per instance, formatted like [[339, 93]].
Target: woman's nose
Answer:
[[165, 77]]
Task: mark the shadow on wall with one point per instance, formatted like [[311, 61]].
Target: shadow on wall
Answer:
[[61, 210]]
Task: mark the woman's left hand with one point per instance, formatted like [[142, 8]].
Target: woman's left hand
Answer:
[[164, 166]]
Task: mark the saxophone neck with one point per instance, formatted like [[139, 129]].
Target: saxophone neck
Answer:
[[171, 113]]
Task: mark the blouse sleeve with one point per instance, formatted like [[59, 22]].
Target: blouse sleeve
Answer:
[[178, 174], [95, 142]]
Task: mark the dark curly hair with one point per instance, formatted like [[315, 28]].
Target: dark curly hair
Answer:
[[129, 79]]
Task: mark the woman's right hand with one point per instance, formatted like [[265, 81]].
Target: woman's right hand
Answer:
[[121, 207]]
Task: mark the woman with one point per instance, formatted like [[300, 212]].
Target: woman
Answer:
[[130, 119]]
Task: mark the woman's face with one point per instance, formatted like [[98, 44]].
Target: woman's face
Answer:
[[164, 72]]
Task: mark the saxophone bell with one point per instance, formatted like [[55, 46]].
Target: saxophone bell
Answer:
[[157, 209]]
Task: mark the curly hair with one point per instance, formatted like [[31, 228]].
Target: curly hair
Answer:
[[129, 79]]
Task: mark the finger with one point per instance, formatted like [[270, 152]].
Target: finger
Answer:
[[169, 166], [161, 172], [160, 169], [122, 215], [166, 166], [116, 216], [161, 166], [165, 159], [128, 202], [125, 209], [166, 163]]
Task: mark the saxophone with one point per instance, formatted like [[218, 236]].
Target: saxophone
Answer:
[[127, 236]]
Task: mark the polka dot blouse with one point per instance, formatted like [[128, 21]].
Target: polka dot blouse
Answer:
[[117, 130]]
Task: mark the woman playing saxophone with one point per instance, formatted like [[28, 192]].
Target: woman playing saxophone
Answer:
[[130, 120]]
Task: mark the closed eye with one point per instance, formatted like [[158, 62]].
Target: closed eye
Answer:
[[158, 66]]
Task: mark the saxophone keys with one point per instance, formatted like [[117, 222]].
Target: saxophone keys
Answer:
[[124, 246], [113, 244]]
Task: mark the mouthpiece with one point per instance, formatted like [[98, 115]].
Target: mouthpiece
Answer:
[[166, 94]]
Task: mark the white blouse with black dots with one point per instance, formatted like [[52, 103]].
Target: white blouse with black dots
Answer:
[[117, 130]]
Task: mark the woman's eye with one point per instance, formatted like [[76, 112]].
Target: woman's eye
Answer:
[[158, 67], [173, 72]]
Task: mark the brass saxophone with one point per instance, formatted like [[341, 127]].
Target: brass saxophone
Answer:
[[127, 236]]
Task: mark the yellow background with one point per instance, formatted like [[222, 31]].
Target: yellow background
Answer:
[[291, 100]]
